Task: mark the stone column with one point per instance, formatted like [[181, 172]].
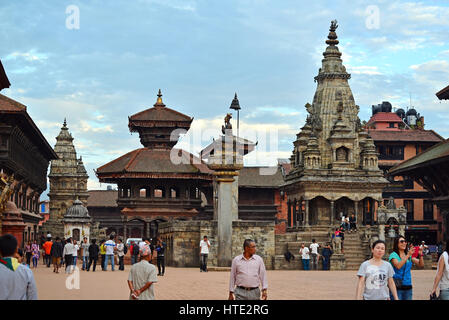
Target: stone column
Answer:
[[147, 230], [382, 232], [356, 212], [332, 212], [295, 213], [224, 223], [307, 213], [235, 199]]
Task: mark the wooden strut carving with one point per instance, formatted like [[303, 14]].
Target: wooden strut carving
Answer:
[[6, 190]]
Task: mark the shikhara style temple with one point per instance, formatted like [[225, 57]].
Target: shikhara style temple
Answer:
[[334, 162]]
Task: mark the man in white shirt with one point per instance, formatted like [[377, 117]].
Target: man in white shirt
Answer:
[[304, 252], [204, 252], [314, 249], [110, 248]]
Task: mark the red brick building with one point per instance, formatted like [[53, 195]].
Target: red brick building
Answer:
[[399, 136]]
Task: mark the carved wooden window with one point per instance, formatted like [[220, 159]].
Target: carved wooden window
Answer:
[[143, 193], [159, 192], [428, 210], [174, 192]]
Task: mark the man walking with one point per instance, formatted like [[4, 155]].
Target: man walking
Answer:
[[141, 277], [110, 248], [16, 280], [68, 255], [93, 254], [120, 254], [56, 254], [160, 249], [204, 245], [327, 253], [85, 254], [314, 249], [247, 274], [134, 248], [47, 250]]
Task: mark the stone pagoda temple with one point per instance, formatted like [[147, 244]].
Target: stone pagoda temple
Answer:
[[334, 162], [157, 183], [68, 181]]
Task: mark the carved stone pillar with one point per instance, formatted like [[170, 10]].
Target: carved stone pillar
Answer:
[[307, 213], [332, 212], [295, 214], [382, 232], [356, 211]]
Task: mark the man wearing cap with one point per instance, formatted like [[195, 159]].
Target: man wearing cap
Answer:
[[142, 276]]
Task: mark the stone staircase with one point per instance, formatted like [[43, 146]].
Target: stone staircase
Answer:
[[355, 251]]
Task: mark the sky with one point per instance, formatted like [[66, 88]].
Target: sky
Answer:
[[97, 62]]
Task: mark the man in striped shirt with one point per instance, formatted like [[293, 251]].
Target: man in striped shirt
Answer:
[[247, 274]]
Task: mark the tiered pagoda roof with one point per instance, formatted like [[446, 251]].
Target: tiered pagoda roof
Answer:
[[158, 158]]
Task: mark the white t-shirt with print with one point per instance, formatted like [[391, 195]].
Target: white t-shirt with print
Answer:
[[110, 245], [305, 253], [204, 246]]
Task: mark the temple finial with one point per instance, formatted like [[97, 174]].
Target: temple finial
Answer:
[[159, 99], [332, 37], [65, 123]]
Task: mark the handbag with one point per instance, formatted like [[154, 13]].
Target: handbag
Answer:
[[398, 282], [433, 296]]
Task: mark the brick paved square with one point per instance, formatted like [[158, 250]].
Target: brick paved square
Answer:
[[190, 283]]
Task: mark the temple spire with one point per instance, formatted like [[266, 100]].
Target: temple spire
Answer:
[[332, 37], [159, 100], [65, 123]]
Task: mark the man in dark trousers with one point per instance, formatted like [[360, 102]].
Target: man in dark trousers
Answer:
[[326, 253], [93, 254], [160, 249], [56, 254]]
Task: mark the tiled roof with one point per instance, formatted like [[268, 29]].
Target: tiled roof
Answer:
[[10, 105], [443, 94], [260, 177], [159, 113], [102, 198], [405, 135], [438, 151], [4, 82], [146, 160], [385, 117]]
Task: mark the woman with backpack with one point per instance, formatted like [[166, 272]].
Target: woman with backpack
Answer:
[[442, 276], [402, 261]]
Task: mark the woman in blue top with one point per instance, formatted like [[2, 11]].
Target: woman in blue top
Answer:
[[402, 261]]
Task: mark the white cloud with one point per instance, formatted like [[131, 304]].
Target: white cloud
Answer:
[[30, 56], [368, 70]]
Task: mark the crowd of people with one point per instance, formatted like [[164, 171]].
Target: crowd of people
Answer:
[[378, 279]]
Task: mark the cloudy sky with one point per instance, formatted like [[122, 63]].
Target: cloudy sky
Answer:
[[110, 65]]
